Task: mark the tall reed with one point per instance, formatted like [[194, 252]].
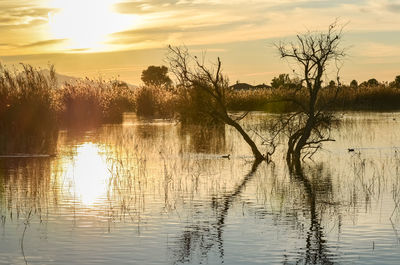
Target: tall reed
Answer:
[[153, 101], [91, 102], [377, 98], [28, 120]]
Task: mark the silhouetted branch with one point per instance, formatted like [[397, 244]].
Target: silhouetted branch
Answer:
[[313, 52], [194, 75]]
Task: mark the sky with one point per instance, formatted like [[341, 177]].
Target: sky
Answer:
[[121, 38]]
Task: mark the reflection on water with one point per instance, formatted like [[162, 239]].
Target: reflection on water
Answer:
[[316, 250], [87, 174], [153, 192]]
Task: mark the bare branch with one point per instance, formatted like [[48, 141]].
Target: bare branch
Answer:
[[196, 77], [313, 53]]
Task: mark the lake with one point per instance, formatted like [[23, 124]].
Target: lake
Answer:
[[157, 192]]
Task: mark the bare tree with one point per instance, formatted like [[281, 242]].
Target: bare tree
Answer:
[[193, 74], [312, 53]]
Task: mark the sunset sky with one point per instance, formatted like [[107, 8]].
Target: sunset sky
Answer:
[[112, 38]]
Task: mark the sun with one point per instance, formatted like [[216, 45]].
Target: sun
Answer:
[[86, 23]]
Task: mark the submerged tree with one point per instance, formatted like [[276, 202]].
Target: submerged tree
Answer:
[[312, 53], [210, 87]]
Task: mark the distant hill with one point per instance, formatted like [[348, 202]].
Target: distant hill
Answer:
[[61, 79], [245, 86]]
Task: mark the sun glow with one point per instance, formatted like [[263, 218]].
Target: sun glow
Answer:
[[88, 175], [86, 23]]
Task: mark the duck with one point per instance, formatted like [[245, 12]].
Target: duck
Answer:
[[350, 149]]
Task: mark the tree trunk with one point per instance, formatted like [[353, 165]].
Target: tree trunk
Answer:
[[297, 142], [257, 154]]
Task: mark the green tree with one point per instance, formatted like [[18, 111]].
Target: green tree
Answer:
[[281, 81], [372, 82], [156, 76], [354, 84], [284, 81], [396, 82], [332, 84]]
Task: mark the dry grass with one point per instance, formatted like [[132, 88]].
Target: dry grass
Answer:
[[269, 100], [375, 98], [153, 101], [33, 106], [92, 102], [28, 120]]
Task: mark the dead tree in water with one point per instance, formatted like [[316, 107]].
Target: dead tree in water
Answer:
[[192, 74], [312, 53]]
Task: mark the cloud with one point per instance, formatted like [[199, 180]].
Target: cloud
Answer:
[[393, 8], [5, 45], [377, 50], [217, 21], [157, 23], [260, 73], [43, 43], [17, 16], [79, 50], [29, 12], [7, 20], [380, 6], [212, 50], [163, 32], [145, 6]]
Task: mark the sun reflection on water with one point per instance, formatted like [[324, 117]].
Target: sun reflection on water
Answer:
[[87, 175]]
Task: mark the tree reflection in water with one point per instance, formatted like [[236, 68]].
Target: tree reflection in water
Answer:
[[200, 140], [316, 250], [203, 237], [315, 196]]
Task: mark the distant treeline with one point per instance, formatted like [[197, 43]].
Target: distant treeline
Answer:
[[368, 95], [379, 97]]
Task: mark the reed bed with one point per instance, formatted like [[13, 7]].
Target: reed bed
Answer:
[[153, 101], [33, 106], [28, 113], [372, 98], [92, 102]]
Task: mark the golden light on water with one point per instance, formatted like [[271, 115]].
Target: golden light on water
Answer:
[[88, 175], [86, 24]]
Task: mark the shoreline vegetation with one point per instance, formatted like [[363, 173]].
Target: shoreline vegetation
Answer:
[[33, 106]]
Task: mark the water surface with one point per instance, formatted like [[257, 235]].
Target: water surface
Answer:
[[155, 192]]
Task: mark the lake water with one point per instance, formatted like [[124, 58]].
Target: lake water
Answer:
[[154, 192]]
